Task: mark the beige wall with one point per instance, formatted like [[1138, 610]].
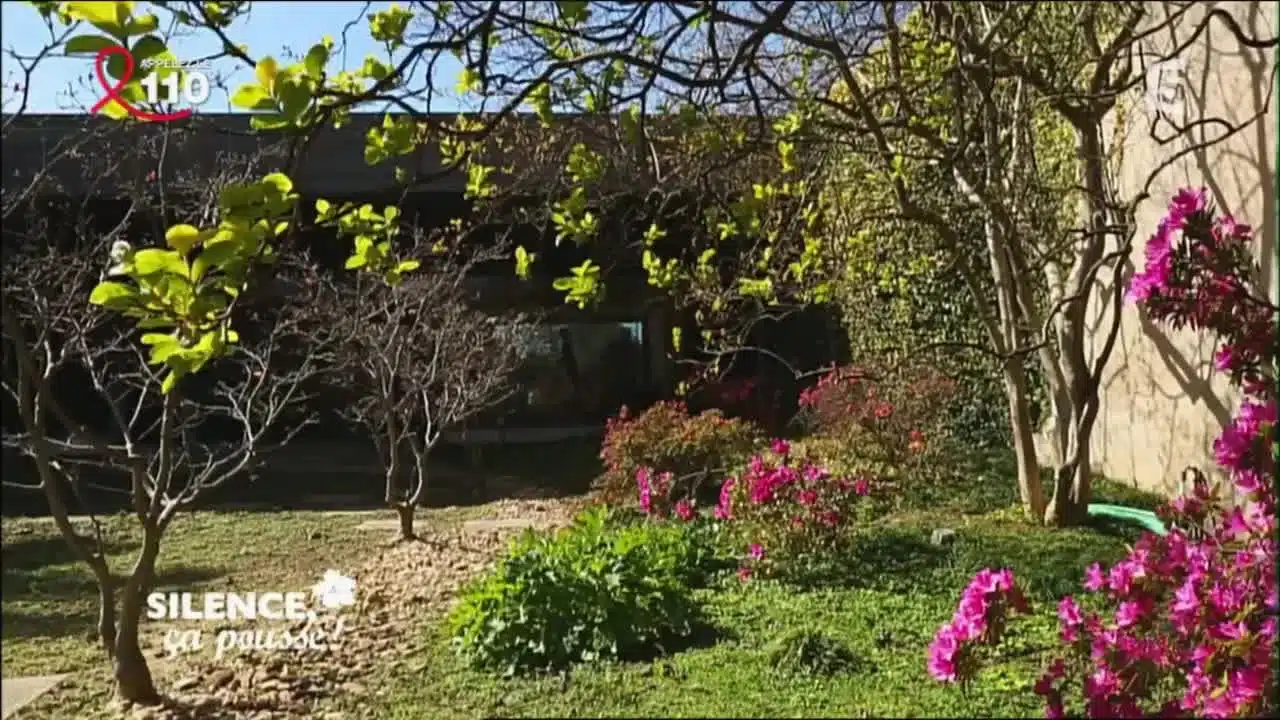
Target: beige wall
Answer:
[[1163, 404]]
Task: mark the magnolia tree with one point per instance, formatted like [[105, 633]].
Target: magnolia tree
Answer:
[[83, 372], [1190, 621], [420, 360]]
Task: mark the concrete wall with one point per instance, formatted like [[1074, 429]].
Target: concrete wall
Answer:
[[1163, 404]]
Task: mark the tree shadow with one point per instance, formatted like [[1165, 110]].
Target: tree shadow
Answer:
[[62, 602], [1229, 93]]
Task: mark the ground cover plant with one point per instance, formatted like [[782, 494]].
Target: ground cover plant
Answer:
[[850, 648], [588, 592]]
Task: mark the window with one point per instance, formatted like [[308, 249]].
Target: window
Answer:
[[581, 372]]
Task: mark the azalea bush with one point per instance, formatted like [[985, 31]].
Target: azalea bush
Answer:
[[891, 423], [788, 512], [1184, 626], [750, 398], [691, 453]]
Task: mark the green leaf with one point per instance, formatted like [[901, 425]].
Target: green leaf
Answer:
[[152, 261], [574, 12], [356, 262], [266, 72], [268, 122], [182, 238], [280, 182], [169, 382], [109, 17], [316, 59], [112, 295], [215, 256], [253, 97], [406, 266], [88, 44], [524, 262], [468, 80], [295, 97]]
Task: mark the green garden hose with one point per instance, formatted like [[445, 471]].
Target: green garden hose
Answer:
[[1145, 518]]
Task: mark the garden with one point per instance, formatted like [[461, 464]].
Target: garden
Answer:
[[901, 517]]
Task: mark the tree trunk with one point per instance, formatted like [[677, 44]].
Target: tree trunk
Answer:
[[1030, 489], [1071, 492], [133, 677], [405, 511], [107, 616]]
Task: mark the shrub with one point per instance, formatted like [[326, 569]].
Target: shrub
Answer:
[[790, 512], [698, 451], [588, 592], [892, 424], [1191, 620]]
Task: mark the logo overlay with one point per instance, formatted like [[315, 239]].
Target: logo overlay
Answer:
[[305, 613], [186, 81], [1166, 91]]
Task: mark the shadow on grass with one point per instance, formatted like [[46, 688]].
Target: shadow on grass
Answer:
[[901, 559], [62, 601], [22, 553], [704, 635]]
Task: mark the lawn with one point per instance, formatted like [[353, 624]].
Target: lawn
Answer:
[[50, 598], [872, 624]]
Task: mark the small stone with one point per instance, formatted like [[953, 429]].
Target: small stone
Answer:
[[222, 677], [943, 537], [186, 683]]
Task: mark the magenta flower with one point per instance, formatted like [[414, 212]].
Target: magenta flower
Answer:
[[685, 511]]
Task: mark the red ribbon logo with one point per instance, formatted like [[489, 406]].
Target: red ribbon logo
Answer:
[[113, 91]]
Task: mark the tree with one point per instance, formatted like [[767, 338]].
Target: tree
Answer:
[[91, 405], [977, 91], [419, 360]]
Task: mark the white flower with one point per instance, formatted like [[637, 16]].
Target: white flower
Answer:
[[335, 590], [120, 250]]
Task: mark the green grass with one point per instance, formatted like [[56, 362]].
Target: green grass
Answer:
[[874, 620], [50, 600]]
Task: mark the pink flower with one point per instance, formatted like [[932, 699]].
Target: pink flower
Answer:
[[685, 511], [646, 490], [942, 656], [1094, 580], [1129, 613], [781, 447], [755, 551], [724, 508], [744, 574]]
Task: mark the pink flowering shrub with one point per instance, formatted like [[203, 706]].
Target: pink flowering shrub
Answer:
[[676, 450], [787, 510], [1190, 624], [892, 422]]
